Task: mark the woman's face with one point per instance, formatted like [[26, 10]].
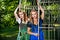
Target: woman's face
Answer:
[[34, 15], [21, 15]]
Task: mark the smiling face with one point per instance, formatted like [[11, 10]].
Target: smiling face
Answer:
[[34, 14], [21, 15]]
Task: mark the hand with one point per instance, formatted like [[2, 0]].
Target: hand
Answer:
[[19, 6], [36, 34], [38, 4]]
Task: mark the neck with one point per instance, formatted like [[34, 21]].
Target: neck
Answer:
[[22, 19], [35, 19]]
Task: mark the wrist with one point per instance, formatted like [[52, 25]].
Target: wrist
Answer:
[[33, 33]]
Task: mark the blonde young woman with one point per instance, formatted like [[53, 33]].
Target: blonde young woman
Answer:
[[33, 25], [22, 19]]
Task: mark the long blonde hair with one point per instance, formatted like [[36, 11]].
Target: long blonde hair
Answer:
[[31, 19]]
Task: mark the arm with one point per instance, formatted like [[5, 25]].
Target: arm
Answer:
[[15, 13], [42, 10], [42, 15], [31, 33], [16, 16]]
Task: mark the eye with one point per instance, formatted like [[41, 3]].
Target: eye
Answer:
[[20, 14]]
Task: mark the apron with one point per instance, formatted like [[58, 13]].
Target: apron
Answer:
[[22, 35]]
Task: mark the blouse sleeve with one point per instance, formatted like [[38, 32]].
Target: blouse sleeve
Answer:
[[29, 24], [41, 20], [18, 20]]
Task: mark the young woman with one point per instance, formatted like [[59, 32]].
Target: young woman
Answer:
[[33, 25], [22, 19]]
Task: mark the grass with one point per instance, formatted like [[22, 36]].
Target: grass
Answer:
[[9, 33]]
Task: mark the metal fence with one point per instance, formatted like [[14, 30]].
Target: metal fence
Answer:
[[51, 22]]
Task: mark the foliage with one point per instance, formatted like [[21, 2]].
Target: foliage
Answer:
[[54, 8], [8, 23]]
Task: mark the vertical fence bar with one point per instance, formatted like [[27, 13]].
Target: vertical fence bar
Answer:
[[38, 19]]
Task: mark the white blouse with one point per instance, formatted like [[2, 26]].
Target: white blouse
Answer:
[[18, 20]]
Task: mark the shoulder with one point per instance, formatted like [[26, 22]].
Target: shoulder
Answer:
[[29, 24], [18, 20], [40, 20]]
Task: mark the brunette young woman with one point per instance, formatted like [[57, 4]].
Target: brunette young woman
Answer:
[[22, 20]]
